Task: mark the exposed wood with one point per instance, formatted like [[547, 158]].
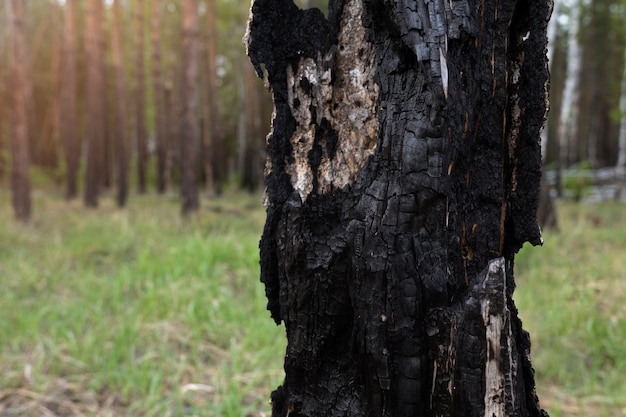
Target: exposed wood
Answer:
[[20, 181], [403, 175]]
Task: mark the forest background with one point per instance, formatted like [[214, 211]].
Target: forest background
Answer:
[[139, 92], [105, 103]]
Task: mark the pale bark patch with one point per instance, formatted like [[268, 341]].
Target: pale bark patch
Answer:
[[340, 88]]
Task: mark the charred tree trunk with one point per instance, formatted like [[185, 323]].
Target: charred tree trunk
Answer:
[[190, 129], [94, 126], [20, 181], [402, 177], [121, 150]]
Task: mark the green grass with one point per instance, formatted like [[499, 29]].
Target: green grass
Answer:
[[136, 312], [572, 297]]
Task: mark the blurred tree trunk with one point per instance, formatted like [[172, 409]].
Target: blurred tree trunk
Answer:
[[94, 126], [568, 119], [190, 129], [121, 141], [20, 181], [621, 158], [403, 176], [211, 107], [140, 97], [160, 126]]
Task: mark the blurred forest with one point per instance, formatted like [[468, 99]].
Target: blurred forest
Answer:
[[158, 96]]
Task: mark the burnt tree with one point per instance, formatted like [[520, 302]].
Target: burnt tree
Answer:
[[402, 177]]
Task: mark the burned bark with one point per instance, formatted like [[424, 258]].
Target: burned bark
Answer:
[[402, 177]]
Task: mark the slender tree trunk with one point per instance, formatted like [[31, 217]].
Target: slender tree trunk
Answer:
[[94, 126], [70, 128], [121, 141], [621, 158], [190, 129], [211, 117], [140, 100], [403, 176], [20, 181], [568, 119], [160, 126]]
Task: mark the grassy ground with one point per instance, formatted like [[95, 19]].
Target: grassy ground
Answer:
[[137, 313], [572, 297]]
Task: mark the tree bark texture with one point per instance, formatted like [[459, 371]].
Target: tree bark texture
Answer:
[[190, 130], [402, 176], [95, 121], [20, 181]]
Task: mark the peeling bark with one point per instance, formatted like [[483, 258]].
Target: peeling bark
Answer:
[[402, 176]]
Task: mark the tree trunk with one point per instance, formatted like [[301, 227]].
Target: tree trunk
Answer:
[[159, 97], [190, 129], [403, 175], [94, 126], [621, 158], [211, 113], [121, 140], [140, 101], [568, 119], [20, 181]]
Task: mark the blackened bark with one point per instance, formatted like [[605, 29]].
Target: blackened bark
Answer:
[[403, 175]]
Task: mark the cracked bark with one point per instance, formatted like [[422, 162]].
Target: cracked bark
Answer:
[[402, 176]]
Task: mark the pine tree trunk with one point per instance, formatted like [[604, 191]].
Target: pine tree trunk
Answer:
[[121, 148], [160, 126], [621, 155], [190, 129], [212, 106], [140, 100], [94, 125], [20, 181], [568, 119], [403, 175]]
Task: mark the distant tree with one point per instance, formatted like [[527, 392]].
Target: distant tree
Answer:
[[140, 96], [95, 102], [211, 107], [121, 141], [403, 176], [70, 129], [20, 181], [190, 129], [158, 92], [568, 118], [621, 158]]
